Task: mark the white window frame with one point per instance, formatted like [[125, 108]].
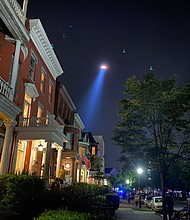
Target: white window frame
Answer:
[[33, 63]]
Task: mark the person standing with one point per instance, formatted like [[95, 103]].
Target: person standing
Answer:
[[128, 197], [61, 176], [170, 205], [136, 198]]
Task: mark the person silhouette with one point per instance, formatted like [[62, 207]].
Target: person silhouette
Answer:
[[61, 176]]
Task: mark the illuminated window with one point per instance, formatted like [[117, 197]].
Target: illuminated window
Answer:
[[39, 113], [82, 151], [47, 117], [27, 109], [93, 150], [33, 63], [42, 83], [40, 110], [69, 144], [27, 106], [50, 92], [21, 153]]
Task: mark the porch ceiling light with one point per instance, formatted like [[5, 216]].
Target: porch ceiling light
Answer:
[[40, 147], [67, 165]]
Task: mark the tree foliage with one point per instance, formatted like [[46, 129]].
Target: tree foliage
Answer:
[[155, 123]]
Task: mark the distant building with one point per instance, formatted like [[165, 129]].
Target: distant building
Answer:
[[100, 153], [40, 129], [73, 125]]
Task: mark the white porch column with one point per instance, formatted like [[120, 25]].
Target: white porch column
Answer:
[[59, 160], [80, 164], [47, 163], [9, 124], [15, 68]]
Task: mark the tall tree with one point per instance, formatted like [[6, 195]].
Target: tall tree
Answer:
[[155, 124]]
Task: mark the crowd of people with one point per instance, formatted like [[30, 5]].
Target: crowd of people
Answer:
[[138, 199]]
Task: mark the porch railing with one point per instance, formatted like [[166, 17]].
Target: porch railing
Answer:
[[40, 122], [5, 88]]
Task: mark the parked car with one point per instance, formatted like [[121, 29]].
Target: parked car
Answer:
[[148, 201], [156, 203]]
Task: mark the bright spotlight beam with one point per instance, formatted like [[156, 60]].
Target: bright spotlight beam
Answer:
[[91, 105]]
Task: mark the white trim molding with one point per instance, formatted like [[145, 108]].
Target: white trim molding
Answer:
[[42, 43], [31, 90], [78, 121]]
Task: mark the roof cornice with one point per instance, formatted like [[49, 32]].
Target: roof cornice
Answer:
[[68, 98], [79, 121], [13, 17], [44, 47]]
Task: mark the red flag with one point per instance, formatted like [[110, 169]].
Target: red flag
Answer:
[[86, 161]]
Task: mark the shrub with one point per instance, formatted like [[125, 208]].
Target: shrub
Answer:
[[82, 197], [18, 193], [67, 215], [63, 215], [25, 195]]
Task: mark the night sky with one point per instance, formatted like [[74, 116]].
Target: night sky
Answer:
[[129, 36]]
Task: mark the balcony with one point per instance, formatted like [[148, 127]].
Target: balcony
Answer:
[[32, 128], [5, 88], [40, 122]]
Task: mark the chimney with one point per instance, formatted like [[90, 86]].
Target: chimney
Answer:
[[24, 8]]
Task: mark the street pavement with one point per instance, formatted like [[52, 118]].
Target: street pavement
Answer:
[[131, 212]]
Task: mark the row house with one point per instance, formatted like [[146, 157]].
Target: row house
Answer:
[[13, 50], [39, 127], [100, 153], [95, 156], [29, 133], [38, 135], [65, 112], [84, 154]]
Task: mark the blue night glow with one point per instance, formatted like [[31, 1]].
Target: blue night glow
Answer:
[[91, 105]]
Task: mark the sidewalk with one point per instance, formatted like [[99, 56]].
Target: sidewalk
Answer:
[[131, 205], [132, 212]]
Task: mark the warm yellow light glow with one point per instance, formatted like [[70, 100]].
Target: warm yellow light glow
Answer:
[[40, 147], [67, 165]]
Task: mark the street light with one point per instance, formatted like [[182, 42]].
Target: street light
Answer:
[[139, 171]]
